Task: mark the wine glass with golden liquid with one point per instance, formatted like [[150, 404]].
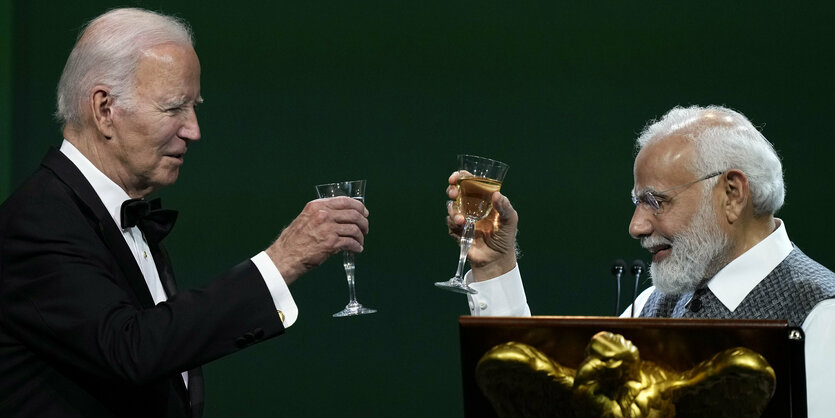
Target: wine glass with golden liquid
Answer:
[[356, 190], [480, 178]]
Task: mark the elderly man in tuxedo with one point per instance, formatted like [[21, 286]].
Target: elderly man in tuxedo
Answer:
[[707, 184], [91, 324]]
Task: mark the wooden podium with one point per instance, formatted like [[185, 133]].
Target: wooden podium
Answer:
[[677, 343]]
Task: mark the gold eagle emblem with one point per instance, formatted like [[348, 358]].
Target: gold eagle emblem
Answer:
[[613, 381]]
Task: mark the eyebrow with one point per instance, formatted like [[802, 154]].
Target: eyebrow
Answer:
[[643, 191], [180, 101]]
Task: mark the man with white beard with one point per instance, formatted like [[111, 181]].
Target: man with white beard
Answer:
[[707, 185]]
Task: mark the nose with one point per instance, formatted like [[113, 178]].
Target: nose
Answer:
[[641, 223], [190, 129]]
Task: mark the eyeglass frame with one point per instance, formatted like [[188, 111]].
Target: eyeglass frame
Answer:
[[648, 197]]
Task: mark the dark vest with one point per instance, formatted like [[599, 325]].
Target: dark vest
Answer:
[[789, 292]]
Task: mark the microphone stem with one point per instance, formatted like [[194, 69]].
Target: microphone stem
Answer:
[[637, 271], [617, 296]]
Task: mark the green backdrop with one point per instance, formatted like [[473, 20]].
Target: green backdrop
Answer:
[[300, 93]]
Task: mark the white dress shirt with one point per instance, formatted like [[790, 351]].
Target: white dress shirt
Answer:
[[505, 296], [112, 196]]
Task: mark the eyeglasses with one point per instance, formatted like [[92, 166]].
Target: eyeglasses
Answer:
[[654, 200]]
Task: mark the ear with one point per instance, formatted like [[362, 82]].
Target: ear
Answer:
[[101, 106], [737, 195]]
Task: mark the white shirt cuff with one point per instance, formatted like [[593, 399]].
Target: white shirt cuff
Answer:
[[279, 291], [500, 296]]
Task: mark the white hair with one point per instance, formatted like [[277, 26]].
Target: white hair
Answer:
[[725, 139], [107, 52]]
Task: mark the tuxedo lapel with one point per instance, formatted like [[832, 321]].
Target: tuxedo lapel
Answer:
[[166, 272], [194, 394], [69, 174]]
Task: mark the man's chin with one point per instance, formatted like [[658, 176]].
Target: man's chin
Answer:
[[169, 177], [671, 283], [163, 180]]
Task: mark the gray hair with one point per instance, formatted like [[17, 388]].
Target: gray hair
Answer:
[[725, 139], [107, 52]]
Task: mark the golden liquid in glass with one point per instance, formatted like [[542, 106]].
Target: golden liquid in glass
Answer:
[[474, 196]]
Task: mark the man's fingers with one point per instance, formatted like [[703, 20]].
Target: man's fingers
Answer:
[[453, 214], [349, 231], [339, 210], [453, 227], [348, 244], [452, 192], [503, 207], [344, 217], [340, 203]]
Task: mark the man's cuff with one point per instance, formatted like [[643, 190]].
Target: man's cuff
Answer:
[[283, 300], [500, 296]]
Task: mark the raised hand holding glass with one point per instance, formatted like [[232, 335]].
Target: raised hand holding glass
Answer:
[[479, 178], [354, 189]]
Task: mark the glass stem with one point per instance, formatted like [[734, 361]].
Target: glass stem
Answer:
[[348, 263], [466, 242]]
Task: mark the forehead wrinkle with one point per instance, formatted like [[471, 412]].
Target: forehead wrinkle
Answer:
[[160, 71], [666, 159], [162, 52]]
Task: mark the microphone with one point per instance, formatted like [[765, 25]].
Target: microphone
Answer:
[[617, 270], [638, 267]]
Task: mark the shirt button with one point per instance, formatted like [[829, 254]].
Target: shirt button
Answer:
[[471, 305], [695, 305], [144, 254], [482, 305]]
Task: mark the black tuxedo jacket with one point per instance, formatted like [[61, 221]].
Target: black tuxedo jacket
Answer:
[[79, 333]]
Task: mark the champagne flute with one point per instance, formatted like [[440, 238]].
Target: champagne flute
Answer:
[[354, 189], [479, 178]]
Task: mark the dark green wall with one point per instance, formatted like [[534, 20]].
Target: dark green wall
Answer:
[[299, 93], [5, 96]]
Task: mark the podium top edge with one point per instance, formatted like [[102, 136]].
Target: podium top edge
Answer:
[[611, 321]]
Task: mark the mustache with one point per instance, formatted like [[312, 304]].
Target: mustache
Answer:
[[654, 241]]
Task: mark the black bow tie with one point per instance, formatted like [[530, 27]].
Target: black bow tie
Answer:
[[149, 216]]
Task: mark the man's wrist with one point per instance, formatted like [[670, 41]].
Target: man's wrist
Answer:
[[288, 273], [494, 269]]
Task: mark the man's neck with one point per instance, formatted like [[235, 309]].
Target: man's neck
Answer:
[[92, 146], [752, 232]]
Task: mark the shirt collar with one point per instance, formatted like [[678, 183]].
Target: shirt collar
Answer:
[[741, 275], [111, 195]]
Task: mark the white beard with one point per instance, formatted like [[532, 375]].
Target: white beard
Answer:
[[697, 253]]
